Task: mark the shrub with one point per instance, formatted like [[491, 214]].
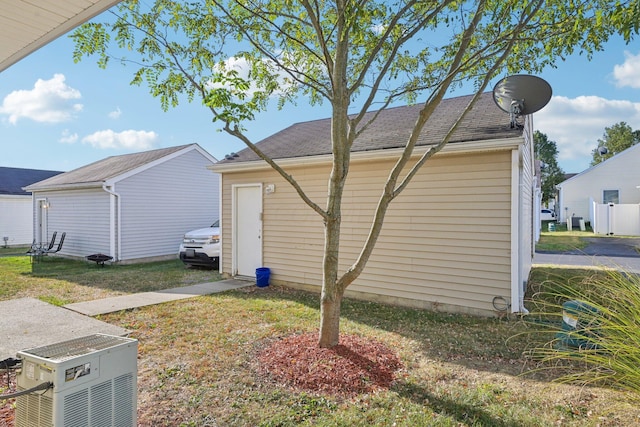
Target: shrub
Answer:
[[604, 347]]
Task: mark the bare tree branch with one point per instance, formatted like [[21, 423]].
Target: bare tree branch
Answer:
[[235, 132], [388, 193]]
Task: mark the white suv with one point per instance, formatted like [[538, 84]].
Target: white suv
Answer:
[[202, 246], [547, 215]]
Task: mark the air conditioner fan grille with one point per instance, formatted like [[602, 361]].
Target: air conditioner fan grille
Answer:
[[77, 347]]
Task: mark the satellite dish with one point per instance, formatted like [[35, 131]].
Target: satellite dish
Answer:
[[521, 94]]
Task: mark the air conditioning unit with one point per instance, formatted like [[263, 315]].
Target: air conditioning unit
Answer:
[[94, 382]]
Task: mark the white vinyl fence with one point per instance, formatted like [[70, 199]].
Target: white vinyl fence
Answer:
[[616, 219]]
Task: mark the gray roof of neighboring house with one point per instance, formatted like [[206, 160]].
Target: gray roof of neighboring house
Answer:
[[106, 169], [12, 180], [390, 130]]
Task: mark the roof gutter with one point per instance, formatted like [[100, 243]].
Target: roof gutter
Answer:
[[77, 186], [363, 156], [114, 223]]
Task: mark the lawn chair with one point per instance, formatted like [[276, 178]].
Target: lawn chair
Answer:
[[34, 248], [53, 242], [37, 250], [60, 243]]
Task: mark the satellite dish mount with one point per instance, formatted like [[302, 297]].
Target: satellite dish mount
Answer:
[[521, 94], [515, 111]]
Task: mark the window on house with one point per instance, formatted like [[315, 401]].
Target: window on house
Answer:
[[610, 196]]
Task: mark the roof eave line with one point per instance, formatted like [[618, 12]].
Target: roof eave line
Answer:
[[359, 156], [76, 186]]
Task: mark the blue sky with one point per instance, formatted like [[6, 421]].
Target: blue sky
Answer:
[[58, 115]]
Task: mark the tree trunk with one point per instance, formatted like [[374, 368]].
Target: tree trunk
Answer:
[[331, 294], [342, 136], [329, 319]]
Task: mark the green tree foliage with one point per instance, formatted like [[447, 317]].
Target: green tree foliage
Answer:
[[355, 55], [550, 172], [615, 139]]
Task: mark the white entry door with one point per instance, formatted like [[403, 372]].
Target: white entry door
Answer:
[[247, 228]]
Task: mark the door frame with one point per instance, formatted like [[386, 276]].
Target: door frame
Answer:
[[234, 223], [41, 234]]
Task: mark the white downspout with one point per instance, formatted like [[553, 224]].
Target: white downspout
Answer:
[[515, 231], [114, 223], [562, 210]]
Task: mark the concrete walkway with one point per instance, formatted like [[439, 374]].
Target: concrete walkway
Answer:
[[124, 302]]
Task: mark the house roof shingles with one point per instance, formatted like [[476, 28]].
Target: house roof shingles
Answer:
[[12, 180], [105, 169], [391, 129]]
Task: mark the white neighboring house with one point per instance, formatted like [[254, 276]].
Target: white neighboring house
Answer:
[[130, 207], [615, 181], [16, 219]]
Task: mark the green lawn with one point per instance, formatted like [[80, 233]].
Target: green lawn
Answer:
[[562, 240], [197, 361], [63, 281]]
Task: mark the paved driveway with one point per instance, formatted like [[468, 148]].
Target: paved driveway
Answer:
[[609, 247], [613, 252]]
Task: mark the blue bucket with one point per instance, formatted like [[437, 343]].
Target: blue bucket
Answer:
[[262, 277]]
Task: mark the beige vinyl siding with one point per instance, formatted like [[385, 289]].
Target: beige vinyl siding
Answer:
[[83, 215], [445, 241], [163, 202]]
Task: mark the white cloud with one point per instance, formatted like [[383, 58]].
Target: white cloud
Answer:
[[67, 137], [129, 139], [576, 124], [242, 67], [627, 74], [379, 28], [50, 101], [115, 114]]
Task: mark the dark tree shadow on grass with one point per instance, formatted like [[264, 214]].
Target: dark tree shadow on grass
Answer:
[[463, 413]]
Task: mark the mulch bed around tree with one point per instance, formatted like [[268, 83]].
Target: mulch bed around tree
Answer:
[[7, 385], [356, 365]]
